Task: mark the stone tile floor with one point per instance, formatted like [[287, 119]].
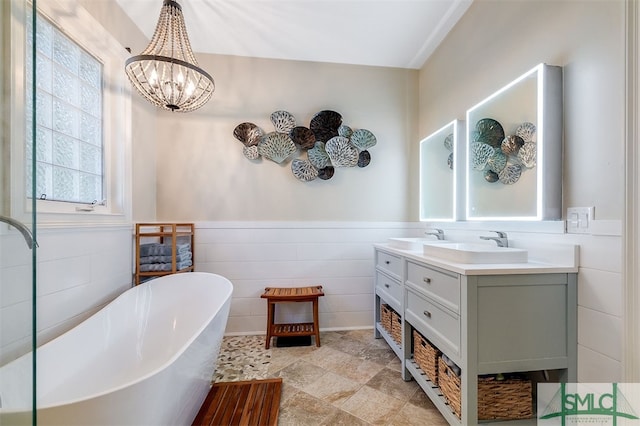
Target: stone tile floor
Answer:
[[352, 379]]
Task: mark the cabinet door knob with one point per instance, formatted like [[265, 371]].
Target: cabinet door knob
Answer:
[[386, 285], [387, 262], [427, 314], [427, 280]]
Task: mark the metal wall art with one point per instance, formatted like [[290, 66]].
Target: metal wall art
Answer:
[[327, 143], [502, 158]]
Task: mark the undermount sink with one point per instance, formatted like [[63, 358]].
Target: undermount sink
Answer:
[[476, 253], [412, 243]]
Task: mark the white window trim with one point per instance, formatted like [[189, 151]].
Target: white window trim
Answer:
[[87, 32]]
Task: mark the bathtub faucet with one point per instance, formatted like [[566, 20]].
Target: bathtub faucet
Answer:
[[501, 239], [438, 233], [26, 233]]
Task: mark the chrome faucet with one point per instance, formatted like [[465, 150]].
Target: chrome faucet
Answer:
[[501, 239], [438, 233], [26, 233]]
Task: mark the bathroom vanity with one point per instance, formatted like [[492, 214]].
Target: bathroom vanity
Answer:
[[488, 318]]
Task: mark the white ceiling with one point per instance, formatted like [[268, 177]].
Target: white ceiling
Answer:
[[389, 33]]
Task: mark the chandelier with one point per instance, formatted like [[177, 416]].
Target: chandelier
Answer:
[[166, 73]]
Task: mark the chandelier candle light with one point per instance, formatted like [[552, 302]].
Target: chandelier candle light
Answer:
[[166, 73]]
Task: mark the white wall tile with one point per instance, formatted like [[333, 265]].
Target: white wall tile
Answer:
[[600, 332], [63, 273], [220, 252], [338, 256], [600, 290], [78, 271], [246, 324], [601, 252], [15, 284], [13, 250], [15, 322], [594, 367]]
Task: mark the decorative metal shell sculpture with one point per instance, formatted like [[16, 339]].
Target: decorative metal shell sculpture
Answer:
[[502, 158], [364, 158], [527, 154], [341, 152], [327, 141], [497, 161], [325, 125], [303, 170], [491, 176], [248, 133], [276, 147], [326, 173], [510, 174], [450, 161], [283, 121], [363, 139], [527, 131], [345, 131], [480, 155], [489, 132], [251, 152], [318, 156], [512, 144], [448, 142], [302, 137]]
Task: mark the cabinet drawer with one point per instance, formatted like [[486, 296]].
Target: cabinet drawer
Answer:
[[389, 263], [442, 287], [438, 325], [389, 287]]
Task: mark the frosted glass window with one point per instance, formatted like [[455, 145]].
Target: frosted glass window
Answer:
[[69, 104]]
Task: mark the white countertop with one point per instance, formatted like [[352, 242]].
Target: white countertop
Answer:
[[562, 258]]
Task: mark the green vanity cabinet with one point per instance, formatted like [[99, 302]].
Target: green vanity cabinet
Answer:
[[488, 320], [388, 289]]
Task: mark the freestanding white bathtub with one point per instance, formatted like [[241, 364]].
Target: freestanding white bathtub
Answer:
[[147, 358]]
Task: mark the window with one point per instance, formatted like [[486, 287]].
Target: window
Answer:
[[83, 118], [69, 153]]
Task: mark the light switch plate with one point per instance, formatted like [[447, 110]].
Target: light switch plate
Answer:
[[579, 219]]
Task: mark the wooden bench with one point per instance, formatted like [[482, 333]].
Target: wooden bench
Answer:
[[292, 294]]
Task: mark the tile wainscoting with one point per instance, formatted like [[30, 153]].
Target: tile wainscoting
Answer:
[[336, 255], [79, 270], [339, 256], [82, 268]]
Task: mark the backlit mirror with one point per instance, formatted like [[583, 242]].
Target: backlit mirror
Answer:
[[514, 150], [440, 163]]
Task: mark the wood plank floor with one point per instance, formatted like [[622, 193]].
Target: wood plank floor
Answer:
[[247, 403]]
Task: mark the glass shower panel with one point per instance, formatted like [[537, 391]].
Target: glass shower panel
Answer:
[[17, 229]]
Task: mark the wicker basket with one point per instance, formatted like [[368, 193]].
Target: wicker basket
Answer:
[[385, 317], [426, 356], [396, 327], [497, 399]]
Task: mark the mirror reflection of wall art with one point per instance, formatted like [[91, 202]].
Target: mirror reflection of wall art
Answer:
[[500, 158], [440, 173], [327, 142], [514, 150]]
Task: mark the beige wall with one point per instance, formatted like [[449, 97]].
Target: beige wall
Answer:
[[204, 176], [496, 41]]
